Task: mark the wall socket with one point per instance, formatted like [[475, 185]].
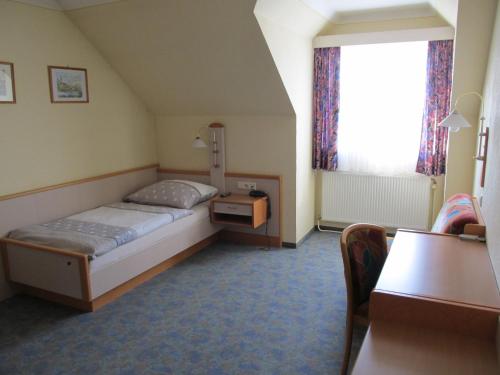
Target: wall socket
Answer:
[[245, 185]]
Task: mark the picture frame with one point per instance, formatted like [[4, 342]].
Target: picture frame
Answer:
[[7, 83], [68, 85]]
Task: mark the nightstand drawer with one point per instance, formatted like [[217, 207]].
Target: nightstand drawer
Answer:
[[233, 209]]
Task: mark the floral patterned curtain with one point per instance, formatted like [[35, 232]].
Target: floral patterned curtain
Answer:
[[325, 107], [433, 142]]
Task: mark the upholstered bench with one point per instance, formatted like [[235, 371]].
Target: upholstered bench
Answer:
[[460, 214]]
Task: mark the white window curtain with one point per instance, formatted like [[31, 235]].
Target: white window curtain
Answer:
[[382, 94]]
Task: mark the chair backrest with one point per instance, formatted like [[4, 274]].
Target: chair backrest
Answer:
[[364, 249]]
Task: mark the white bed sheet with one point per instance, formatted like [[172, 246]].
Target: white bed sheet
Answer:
[[140, 221], [200, 213]]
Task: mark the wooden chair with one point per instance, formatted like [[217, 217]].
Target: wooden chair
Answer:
[[364, 249]]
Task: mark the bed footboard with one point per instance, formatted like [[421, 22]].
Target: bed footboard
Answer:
[[63, 276], [53, 270]]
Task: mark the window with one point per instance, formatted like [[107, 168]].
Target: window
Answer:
[[382, 95]]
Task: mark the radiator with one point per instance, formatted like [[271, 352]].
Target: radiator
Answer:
[[396, 202]]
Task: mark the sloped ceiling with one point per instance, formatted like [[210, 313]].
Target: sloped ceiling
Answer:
[[189, 57], [65, 4]]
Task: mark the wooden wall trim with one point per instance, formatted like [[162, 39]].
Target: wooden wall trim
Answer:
[[254, 175], [227, 174], [75, 182], [184, 171]]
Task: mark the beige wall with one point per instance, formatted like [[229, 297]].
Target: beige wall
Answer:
[[490, 194], [254, 144], [290, 43], [43, 143], [472, 42]]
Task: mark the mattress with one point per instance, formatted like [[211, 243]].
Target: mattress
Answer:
[[191, 224], [96, 232]]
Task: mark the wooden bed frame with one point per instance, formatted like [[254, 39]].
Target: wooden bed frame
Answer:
[[75, 268], [67, 277]]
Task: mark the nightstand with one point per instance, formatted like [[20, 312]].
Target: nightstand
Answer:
[[241, 210]]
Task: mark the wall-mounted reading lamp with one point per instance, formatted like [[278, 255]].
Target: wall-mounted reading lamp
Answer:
[[198, 142], [455, 121]]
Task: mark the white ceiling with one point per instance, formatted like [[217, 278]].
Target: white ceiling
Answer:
[[65, 4], [338, 11], [343, 11]]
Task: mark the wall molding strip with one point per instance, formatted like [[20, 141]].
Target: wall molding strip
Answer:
[[183, 171], [392, 36], [227, 174], [76, 182]]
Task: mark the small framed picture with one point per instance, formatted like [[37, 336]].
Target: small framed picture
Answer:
[[68, 85], [7, 83]]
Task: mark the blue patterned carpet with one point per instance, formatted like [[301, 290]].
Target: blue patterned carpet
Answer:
[[229, 309]]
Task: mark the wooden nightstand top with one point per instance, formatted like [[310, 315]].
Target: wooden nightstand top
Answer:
[[238, 199]]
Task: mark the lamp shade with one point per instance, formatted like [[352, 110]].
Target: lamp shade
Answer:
[[455, 121], [198, 143]]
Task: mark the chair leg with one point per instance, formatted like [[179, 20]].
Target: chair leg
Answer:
[[348, 342]]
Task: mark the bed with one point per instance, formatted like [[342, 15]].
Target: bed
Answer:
[[88, 259]]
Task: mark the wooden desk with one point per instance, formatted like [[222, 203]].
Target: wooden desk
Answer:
[[391, 348], [433, 290], [440, 267]]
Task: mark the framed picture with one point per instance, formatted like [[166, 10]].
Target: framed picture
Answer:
[[7, 83], [68, 85]]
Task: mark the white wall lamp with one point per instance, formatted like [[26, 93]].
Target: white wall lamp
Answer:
[[455, 121], [217, 152], [198, 142]]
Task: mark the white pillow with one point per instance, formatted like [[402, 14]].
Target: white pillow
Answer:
[[173, 193]]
